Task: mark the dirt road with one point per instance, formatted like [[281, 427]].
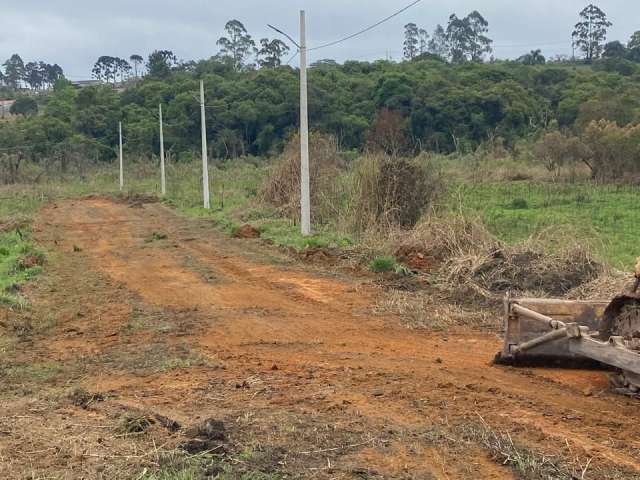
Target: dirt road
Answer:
[[163, 315]]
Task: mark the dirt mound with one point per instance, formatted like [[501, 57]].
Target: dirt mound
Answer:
[[416, 259], [246, 231]]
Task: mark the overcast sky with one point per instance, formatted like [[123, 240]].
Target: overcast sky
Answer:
[[75, 33]]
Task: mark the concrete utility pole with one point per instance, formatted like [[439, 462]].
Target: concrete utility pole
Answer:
[[205, 163], [163, 180], [305, 194], [121, 159]]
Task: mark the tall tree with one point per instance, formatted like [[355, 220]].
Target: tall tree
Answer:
[[466, 38], [136, 60], [105, 69], [458, 39], [122, 68], [634, 41], [238, 44], [424, 41], [411, 41], [53, 73], [271, 53], [590, 32], [479, 43], [633, 47], [438, 43], [34, 75], [160, 63], [14, 70]]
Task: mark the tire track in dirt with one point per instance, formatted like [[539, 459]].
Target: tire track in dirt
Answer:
[[313, 343]]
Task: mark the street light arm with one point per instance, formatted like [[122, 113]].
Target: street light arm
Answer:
[[285, 34]]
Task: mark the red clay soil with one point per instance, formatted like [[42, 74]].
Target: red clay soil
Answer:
[[292, 359]]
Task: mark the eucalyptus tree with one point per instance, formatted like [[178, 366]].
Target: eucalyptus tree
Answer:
[[136, 60], [411, 41], [14, 71], [238, 44], [438, 43], [271, 52], [590, 32]]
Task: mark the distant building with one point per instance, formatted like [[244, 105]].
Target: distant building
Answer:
[[86, 83]]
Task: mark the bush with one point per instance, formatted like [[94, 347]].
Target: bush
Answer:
[[519, 204], [557, 150], [282, 187], [383, 264], [615, 151], [24, 106], [392, 192]]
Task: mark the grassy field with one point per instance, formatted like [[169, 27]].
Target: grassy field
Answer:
[[605, 216]]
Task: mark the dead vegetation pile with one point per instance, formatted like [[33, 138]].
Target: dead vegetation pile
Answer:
[[474, 265], [605, 287], [391, 191], [282, 187]]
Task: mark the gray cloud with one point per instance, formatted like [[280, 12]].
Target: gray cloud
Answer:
[[74, 33]]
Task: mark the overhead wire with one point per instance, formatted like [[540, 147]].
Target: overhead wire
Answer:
[[368, 29]]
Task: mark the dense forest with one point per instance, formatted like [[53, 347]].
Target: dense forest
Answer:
[[445, 96]]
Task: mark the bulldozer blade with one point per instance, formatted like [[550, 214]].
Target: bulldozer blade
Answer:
[[530, 319]]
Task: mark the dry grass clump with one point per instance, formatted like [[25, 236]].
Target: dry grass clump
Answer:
[[419, 310], [474, 265], [14, 222], [527, 463], [605, 287], [391, 191], [282, 187]]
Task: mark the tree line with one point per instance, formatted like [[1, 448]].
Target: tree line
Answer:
[[238, 47], [36, 75], [466, 40], [429, 103]]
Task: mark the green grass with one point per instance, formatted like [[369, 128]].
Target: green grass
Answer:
[[604, 215], [383, 264], [179, 466], [14, 248], [234, 191]]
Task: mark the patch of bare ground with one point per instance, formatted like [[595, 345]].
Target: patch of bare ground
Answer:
[[193, 356]]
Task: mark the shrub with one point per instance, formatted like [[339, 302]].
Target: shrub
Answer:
[[24, 106], [392, 192], [383, 264], [282, 187], [615, 151], [388, 134], [519, 204], [557, 150]]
